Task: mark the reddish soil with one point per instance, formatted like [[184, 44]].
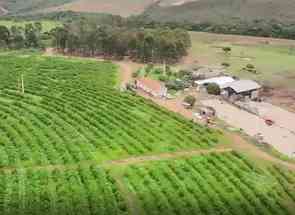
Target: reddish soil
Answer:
[[122, 7], [282, 97]]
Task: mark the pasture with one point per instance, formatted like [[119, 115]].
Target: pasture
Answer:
[[72, 143], [274, 59]]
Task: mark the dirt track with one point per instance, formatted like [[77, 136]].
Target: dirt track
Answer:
[[278, 136]]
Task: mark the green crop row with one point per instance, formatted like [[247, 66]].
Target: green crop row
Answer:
[[71, 112], [224, 183]]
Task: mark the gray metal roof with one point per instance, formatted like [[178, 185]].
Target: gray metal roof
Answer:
[[243, 86]]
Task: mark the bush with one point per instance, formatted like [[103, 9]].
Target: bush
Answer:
[[226, 49], [158, 71], [135, 74], [225, 64], [250, 66], [175, 85], [190, 100], [213, 89], [183, 73], [163, 78]]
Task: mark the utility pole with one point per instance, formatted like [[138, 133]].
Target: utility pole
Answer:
[[23, 86]]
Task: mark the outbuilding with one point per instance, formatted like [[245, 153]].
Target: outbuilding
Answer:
[[220, 81], [242, 88]]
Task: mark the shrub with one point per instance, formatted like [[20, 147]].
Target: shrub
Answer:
[[213, 89], [135, 74], [158, 71], [190, 100], [183, 73], [163, 78], [225, 64], [250, 66], [226, 49], [175, 85]]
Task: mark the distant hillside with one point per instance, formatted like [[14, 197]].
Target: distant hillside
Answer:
[[221, 11], [116, 7], [28, 6], [121, 7], [192, 11]]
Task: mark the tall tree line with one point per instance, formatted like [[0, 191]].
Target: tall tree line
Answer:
[[17, 37], [88, 38]]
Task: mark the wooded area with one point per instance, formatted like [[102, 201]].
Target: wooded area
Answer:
[[88, 38], [17, 37]]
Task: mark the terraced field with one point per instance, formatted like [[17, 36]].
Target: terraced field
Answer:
[[66, 144]]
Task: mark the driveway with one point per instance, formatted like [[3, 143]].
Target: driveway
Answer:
[[281, 135]]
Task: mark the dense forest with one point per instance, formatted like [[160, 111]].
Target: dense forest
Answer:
[[88, 38]]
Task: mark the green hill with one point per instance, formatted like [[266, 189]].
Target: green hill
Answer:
[[28, 6], [221, 11], [193, 11]]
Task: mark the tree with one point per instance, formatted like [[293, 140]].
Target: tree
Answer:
[[17, 39], [4, 35], [191, 100], [225, 64], [32, 35], [213, 89], [226, 50]]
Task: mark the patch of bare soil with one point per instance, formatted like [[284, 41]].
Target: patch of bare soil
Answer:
[[127, 68], [122, 7], [281, 97], [49, 52], [3, 11], [241, 145], [163, 156]]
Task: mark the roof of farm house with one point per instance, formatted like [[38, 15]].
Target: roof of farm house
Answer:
[[243, 86], [220, 81], [151, 84]]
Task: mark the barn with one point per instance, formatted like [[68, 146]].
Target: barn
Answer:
[[242, 88]]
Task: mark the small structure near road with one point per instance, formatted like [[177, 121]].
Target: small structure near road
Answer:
[[152, 87], [207, 111], [242, 88]]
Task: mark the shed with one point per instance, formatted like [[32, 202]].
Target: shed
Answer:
[[220, 81], [243, 88]]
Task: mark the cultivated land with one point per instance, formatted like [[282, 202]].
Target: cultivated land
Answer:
[[74, 144]]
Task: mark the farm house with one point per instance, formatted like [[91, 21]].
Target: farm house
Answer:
[[152, 87], [242, 88], [220, 81]]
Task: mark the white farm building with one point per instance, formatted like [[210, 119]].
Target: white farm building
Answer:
[[220, 81]]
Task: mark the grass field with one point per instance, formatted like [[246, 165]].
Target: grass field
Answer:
[[274, 59], [46, 25], [74, 144]]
